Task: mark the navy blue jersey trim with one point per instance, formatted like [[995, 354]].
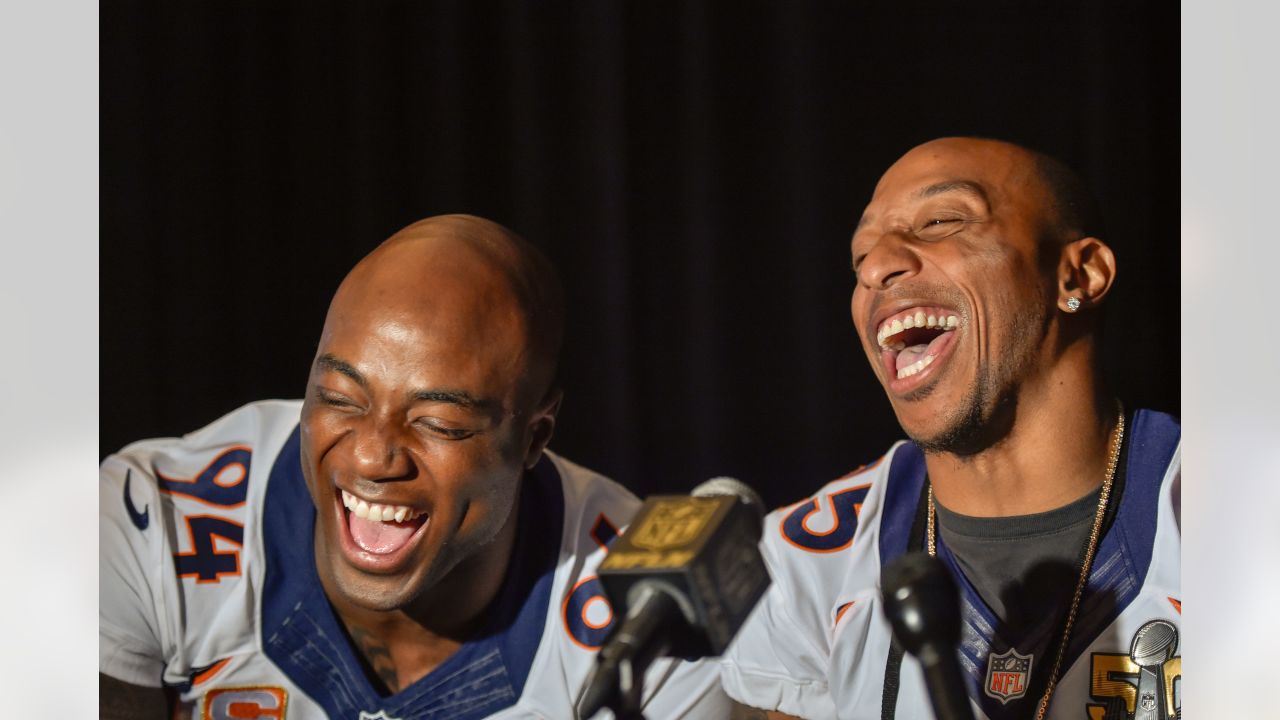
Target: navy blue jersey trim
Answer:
[[304, 638], [982, 633], [1124, 556], [1118, 574], [1119, 570], [904, 483]]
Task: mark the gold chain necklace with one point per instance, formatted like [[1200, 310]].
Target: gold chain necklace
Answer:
[[1117, 437]]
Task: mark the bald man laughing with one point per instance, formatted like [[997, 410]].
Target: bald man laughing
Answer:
[[399, 544]]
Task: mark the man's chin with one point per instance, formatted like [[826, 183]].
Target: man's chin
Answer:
[[925, 416], [376, 593], [962, 429], [953, 441]]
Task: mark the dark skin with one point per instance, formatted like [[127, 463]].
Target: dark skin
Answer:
[[984, 244], [969, 227], [423, 400], [431, 392], [742, 712], [119, 700]]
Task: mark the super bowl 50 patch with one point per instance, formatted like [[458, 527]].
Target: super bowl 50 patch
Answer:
[[1145, 684]]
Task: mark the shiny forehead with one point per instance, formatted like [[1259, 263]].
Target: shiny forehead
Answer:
[[420, 276], [457, 279]]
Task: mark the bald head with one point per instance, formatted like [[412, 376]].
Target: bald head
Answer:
[[431, 391], [466, 278]]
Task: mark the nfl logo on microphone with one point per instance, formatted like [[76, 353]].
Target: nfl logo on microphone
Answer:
[[1007, 675]]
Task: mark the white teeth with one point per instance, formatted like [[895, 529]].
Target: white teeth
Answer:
[[915, 367], [916, 319], [376, 511]]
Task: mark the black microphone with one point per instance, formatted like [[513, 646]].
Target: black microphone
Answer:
[[683, 578], [923, 607]]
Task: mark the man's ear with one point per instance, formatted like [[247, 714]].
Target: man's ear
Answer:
[[542, 425], [1086, 271]]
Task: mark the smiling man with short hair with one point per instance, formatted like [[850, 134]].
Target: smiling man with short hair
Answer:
[[400, 544], [979, 280]]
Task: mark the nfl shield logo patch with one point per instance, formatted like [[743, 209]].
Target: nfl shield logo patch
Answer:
[[1007, 675]]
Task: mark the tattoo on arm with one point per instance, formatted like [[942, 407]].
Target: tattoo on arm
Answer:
[[378, 657]]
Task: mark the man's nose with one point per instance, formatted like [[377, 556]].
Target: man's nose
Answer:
[[378, 451], [891, 259]]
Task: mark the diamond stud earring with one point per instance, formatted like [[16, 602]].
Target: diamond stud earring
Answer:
[[1073, 304]]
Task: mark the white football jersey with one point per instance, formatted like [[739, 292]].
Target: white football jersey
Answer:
[[818, 644], [209, 585]]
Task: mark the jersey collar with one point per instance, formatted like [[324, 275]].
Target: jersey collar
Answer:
[[304, 638]]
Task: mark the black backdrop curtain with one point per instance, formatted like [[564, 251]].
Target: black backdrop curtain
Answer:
[[695, 170]]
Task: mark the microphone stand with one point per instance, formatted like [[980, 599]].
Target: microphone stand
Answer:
[[618, 680], [923, 607], [630, 692]]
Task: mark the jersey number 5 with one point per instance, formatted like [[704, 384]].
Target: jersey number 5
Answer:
[[841, 518]]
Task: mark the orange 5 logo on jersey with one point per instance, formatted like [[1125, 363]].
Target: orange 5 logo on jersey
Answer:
[[802, 525], [842, 516]]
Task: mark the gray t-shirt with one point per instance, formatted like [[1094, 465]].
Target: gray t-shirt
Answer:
[[1022, 566]]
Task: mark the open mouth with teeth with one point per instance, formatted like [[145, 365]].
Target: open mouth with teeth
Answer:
[[911, 340], [380, 529]]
